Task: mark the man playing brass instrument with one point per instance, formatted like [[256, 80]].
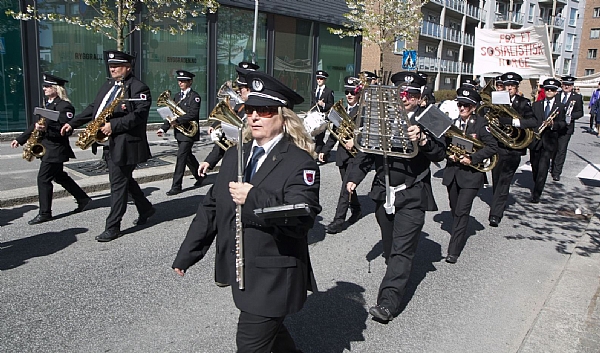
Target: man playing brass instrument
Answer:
[[279, 170], [128, 143], [509, 158], [543, 148], [411, 180], [189, 101], [57, 151], [462, 181], [343, 158]]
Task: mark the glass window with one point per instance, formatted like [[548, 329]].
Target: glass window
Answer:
[[235, 30], [569, 42], [164, 54], [592, 53], [293, 57], [573, 17], [336, 56], [589, 72], [12, 98], [596, 12], [531, 12], [566, 66], [595, 33]]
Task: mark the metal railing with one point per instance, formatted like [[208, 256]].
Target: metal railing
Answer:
[[431, 29], [444, 66], [516, 18]]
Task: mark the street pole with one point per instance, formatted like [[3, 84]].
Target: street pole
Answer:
[[254, 35]]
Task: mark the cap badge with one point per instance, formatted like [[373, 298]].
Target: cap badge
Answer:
[[245, 66], [408, 79], [180, 73], [111, 55], [465, 93], [509, 76], [257, 85]]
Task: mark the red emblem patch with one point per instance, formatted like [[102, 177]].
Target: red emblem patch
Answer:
[[309, 177], [197, 99], [143, 96], [69, 115]]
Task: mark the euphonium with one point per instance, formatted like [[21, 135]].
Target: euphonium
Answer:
[[511, 136], [546, 123], [93, 132], [345, 128], [223, 113], [227, 92], [33, 147], [457, 151], [164, 100]]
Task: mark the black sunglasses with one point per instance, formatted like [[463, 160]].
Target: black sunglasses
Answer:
[[551, 89], [350, 92], [461, 104], [261, 111]]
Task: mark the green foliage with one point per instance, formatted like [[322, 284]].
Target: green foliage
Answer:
[[445, 94]]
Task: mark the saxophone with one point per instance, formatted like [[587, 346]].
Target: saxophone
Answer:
[[92, 132], [164, 99], [457, 151], [33, 148]]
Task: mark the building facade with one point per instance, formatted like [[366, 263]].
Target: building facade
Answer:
[[589, 45], [293, 41]]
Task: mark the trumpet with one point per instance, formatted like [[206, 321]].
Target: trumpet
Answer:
[[548, 122], [457, 150], [164, 99]]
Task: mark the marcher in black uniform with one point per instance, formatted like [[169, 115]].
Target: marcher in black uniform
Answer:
[[428, 97], [128, 143], [322, 100], [371, 77], [460, 178], [274, 249], [499, 83], [508, 158], [189, 101], [216, 154], [564, 135], [58, 150], [343, 158], [542, 149], [401, 229]]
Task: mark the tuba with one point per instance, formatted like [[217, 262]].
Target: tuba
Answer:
[[33, 147], [344, 124], [222, 113], [227, 92], [511, 136], [457, 150], [164, 100]]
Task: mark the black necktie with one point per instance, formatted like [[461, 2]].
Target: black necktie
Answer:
[[48, 105], [319, 93], [547, 110], [181, 95], [257, 152]]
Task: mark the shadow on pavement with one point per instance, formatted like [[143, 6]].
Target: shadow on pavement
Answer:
[[10, 214], [17, 252], [330, 321]]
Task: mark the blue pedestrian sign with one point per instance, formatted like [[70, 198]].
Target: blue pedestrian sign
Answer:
[[409, 60], [2, 47]]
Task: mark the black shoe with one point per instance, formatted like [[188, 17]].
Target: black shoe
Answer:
[[556, 178], [198, 182], [355, 216], [335, 227], [381, 313], [143, 217], [40, 219], [534, 200], [451, 259], [494, 221], [173, 192], [82, 204], [108, 235]]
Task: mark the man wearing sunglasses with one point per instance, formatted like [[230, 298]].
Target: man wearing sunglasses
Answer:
[[343, 158], [573, 103], [509, 159], [461, 180], [410, 178], [322, 101], [542, 149]]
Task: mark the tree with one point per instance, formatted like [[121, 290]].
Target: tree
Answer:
[[382, 22], [114, 19]]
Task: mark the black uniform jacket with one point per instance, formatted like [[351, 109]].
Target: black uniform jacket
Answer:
[[128, 142], [326, 96], [468, 177], [58, 149], [191, 105], [414, 172], [550, 135], [342, 156], [277, 264], [576, 113]]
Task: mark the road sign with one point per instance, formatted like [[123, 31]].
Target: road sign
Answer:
[[409, 60], [2, 47]]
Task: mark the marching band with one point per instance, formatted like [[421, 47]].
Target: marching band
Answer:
[[268, 185]]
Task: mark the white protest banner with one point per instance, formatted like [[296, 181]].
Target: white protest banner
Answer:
[[525, 51]]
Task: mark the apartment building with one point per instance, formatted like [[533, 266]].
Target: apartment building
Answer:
[[589, 44]]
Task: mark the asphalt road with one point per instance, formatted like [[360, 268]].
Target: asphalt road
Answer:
[[61, 291]]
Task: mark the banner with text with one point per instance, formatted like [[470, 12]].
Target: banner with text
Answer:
[[525, 51]]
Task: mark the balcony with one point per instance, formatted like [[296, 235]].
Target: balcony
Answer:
[[502, 20], [431, 29], [550, 2], [556, 48], [452, 35], [456, 5], [467, 68], [469, 39], [475, 12], [444, 66]]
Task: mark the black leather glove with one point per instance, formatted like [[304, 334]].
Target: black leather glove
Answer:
[[505, 120]]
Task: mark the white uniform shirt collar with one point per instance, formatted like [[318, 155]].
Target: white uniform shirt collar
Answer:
[[268, 147]]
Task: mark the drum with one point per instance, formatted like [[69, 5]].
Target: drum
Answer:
[[315, 123]]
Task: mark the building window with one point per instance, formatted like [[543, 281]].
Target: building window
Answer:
[[430, 48], [592, 53], [432, 19], [588, 72], [569, 42], [399, 46], [336, 56], [531, 12], [595, 33], [573, 17], [566, 66], [596, 12]]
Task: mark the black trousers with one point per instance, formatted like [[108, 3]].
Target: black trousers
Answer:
[[560, 155], [502, 176], [400, 234], [540, 163], [122, 184], [259, 334], [320, 142], [346, 199], [185, 157], [48, 173], [461, 202]]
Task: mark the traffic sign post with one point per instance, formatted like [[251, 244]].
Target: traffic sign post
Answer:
[[409, 60]]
